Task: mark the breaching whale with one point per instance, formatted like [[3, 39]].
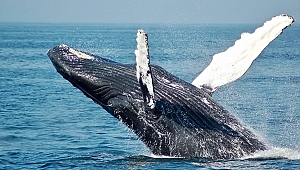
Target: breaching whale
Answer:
[[172, 117]]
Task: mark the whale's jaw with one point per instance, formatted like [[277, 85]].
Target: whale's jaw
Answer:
[[186, 121]]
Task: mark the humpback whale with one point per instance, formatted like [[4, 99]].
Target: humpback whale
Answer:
[[172, 117]]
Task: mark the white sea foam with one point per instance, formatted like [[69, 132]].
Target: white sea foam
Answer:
[[274, 153], [163, 157]]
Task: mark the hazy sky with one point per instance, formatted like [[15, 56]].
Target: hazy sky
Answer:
[[148, 11]]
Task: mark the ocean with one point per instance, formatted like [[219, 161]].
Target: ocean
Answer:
[[46, 123]]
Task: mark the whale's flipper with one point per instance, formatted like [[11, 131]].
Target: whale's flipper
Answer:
[[143, 70], [230, 65]]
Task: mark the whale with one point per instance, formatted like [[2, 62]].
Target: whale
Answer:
[[170, 116]]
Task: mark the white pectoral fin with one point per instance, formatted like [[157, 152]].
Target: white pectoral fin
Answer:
[[230, 65], [143, 70]]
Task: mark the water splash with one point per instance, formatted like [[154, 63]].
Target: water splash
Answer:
[[275, 153], [163, 157]]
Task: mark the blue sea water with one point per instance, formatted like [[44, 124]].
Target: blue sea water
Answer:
[[47, 123]]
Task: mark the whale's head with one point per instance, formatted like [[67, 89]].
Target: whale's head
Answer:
[[108, 83]]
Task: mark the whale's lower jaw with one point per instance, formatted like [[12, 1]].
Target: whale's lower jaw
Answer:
[[186, 121]]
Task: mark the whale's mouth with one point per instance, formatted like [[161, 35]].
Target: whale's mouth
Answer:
[[96, 77]]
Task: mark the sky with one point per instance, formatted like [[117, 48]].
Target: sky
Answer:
[[148, 11]]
